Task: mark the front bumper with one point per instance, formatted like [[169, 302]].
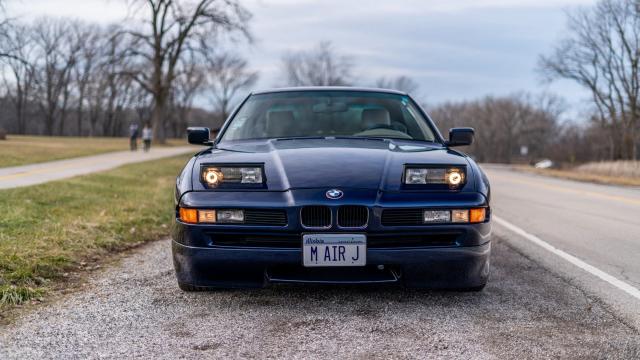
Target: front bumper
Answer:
[[459, 267], [434, 256]]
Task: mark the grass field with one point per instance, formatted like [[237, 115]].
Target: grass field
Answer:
[[50, 229], [22, 150], [626, 173], [628, 169]]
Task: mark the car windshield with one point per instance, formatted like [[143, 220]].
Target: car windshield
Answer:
[[295, 114]]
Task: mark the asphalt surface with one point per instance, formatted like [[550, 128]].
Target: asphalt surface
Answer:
[[537, 304], [33, 174], [598, 224]]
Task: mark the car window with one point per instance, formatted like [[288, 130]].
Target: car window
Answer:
[[328, 113]]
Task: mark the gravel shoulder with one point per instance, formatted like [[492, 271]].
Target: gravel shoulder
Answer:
[[134, 309]]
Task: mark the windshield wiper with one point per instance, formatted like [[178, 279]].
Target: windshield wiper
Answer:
[[347, 137], [379, 138], [362, 138], [299, 138]]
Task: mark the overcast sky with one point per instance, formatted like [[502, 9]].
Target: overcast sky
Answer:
[[457, 49]]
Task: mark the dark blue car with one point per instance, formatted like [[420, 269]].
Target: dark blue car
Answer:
[[331, 185]]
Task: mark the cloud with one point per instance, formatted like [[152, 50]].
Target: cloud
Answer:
[[412, 6], [89, 10], [453, 49]]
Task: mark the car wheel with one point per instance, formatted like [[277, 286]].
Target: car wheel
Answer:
[[473, 288], [191, 288]]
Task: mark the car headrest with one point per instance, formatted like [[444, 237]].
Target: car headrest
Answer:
[[374, 117], [281, 123]]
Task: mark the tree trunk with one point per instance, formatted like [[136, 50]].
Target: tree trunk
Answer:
[[628, 145], [48, 123], [63, 117], [79, 111], [20, 119], [158, 119], [634, 144]]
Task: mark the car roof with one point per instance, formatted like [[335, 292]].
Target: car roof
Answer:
[[328, 88]]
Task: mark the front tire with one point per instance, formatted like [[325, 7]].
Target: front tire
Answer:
[[191, 288], [478, 288]]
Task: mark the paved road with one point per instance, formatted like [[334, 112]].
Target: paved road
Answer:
[[26, 175], [597, 224]]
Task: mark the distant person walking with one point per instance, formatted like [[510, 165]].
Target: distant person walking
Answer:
[[147, 135], [133, 136]]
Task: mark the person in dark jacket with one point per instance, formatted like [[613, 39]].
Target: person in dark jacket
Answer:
[[133, 136]]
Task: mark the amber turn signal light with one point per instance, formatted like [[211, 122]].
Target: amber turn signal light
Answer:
[[477, 215], [189, 216]]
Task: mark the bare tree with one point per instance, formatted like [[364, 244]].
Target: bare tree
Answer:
[[141, 102], [5, 23], [227, 75], [61, 70], [19, 79], [172, 29], [320, 66], [56, 56], [400, 83], [505, 124], [119, 88], [90, 38], [187, 86], [602, 53]]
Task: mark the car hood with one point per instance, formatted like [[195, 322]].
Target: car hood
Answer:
[[332, 162]]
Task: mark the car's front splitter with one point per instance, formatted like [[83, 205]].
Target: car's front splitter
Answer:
[[446, 267]]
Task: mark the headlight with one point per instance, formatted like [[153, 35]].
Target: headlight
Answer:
[[453, 177], [230, 216], [213, 176]]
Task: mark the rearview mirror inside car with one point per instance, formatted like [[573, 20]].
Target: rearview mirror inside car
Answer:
[[460, 136], [329, 108]]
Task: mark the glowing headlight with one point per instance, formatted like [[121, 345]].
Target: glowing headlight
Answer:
[[213, 176], [216, 175], [454, 177]]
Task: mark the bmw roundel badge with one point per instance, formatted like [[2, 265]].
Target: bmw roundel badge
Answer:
[[334, 194]]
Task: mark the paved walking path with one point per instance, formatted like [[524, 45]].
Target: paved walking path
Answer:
[[33, 174]]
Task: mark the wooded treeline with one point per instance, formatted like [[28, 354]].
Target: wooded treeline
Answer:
[[522, 128], [67, 77]]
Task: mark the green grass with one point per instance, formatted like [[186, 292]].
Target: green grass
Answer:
[[50, 229], [21, 150]]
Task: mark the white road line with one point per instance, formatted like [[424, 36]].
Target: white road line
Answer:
[[570, 258]]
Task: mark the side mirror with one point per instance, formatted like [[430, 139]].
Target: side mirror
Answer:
[[460, 136], [198, 135]]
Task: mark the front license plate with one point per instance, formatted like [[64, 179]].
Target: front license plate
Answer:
[[334, 250]]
